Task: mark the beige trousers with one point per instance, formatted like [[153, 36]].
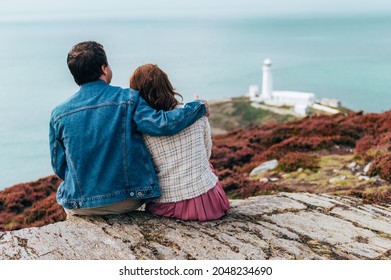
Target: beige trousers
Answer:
[[116, 208]]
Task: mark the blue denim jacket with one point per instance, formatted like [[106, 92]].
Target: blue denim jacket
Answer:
[[97, 149]]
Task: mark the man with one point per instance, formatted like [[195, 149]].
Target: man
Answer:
[[95, 138]]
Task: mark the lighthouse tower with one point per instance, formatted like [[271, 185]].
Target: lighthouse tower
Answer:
[[267, 80]]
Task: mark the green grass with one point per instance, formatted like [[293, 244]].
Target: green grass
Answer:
[[238, 113], [318, 181]]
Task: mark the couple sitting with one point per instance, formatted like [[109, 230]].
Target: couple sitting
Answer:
[[116, 149]]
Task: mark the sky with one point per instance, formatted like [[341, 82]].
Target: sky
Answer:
[[49, 9]]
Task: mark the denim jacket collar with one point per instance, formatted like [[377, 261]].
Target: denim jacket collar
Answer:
[[90, 84]]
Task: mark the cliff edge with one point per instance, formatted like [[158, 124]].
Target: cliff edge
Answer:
[[283, 226]]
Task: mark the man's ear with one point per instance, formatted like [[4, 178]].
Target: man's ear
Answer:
[[104, 69]]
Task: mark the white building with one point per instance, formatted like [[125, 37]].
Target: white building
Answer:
[[300, 101]]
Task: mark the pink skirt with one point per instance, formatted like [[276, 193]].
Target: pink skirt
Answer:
[[211, 205]]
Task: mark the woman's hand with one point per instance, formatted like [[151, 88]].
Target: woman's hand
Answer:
[[205, 102]]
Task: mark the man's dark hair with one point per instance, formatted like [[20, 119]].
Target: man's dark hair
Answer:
[[85, 61]]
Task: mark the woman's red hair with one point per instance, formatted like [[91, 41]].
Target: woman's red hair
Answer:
[[155, 87]]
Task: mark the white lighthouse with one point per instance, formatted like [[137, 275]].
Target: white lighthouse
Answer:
[[267, 80], [299, 101]]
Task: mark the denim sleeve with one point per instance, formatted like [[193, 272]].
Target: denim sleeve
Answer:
[[166, 123], [57, 154]]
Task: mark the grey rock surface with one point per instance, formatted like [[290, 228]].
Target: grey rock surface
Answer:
[[267, 165], [337, 179], [367, 167], [283, 226]]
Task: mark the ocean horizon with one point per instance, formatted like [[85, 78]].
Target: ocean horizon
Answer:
[[347, 58]]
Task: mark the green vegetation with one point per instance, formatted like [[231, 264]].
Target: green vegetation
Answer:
[[238, 113], [332, 166]]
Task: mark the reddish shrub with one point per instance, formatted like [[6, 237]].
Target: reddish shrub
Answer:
[[30, 204], [44, 212], [380, 196], [241, 187], [225, 173], [381, 166], [303, 144], [385, 140], [274, 141], [384, 122], [293, 161], [278, 134], [365, 143], [320, 127], [227, 157]]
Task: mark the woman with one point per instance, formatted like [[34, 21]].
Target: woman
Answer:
[[189, 185]]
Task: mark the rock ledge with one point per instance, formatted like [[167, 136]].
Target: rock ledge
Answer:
[[283, 226]]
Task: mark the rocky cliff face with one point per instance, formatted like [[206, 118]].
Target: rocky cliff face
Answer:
[[284, 226]]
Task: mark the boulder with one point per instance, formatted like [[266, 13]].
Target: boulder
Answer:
[[267, 165], [337, 179], [363, 178], [366, 168]]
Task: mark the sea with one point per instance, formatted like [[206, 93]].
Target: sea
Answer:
[[348, 58]]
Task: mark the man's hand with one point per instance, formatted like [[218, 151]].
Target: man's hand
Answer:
[[206, 104]]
